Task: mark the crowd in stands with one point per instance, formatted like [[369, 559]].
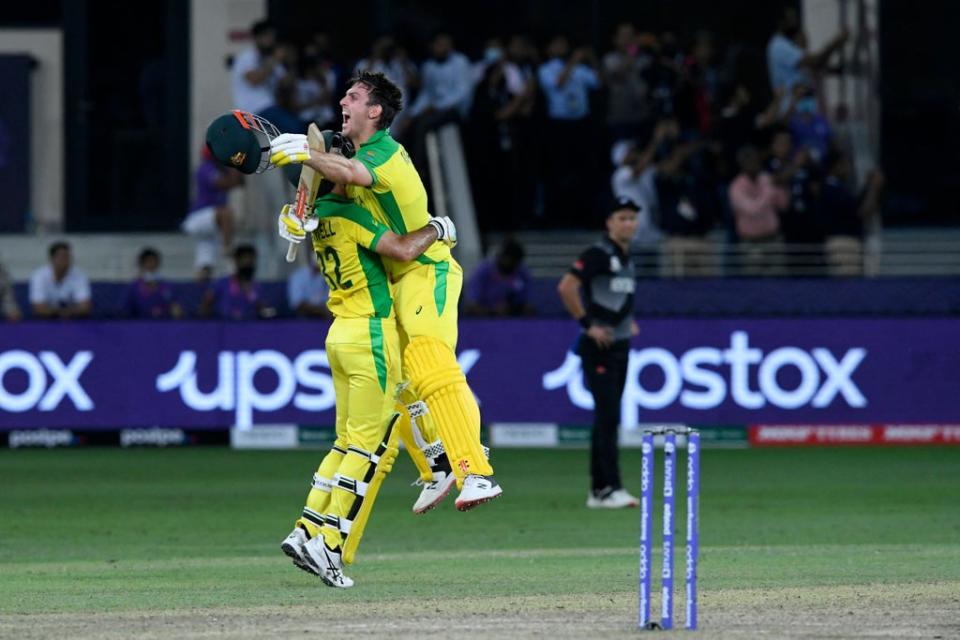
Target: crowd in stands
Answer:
[[59, 290], [553, 133], [716, 160]]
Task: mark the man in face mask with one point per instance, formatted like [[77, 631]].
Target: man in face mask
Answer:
[[237, 297], [148, 295]]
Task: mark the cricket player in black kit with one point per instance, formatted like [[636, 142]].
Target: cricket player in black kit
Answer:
[[607, 278]]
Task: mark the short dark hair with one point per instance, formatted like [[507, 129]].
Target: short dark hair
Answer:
[[148, 252], [56, 246], [260, 27], [244, 250], [382, 92], [512, 249], [623, 202]]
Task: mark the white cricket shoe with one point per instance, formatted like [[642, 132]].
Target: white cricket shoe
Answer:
[[618, 499], [327, 563], [293, 545], [477, 490], [433, 491], [622, 496]]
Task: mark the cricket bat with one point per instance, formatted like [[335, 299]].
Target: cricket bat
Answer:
[[308, 185]]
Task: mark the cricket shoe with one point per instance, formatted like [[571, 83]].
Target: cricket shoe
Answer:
[[477, 490], [611, 499], [433, 491], [293, 545], [327, 563]]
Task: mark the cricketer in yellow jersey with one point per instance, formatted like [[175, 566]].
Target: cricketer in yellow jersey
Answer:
[[382, 179], [364, 355]]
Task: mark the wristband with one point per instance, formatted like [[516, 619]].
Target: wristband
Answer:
[[585, 322]]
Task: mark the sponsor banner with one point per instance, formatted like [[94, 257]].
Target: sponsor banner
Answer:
[[317, 437], [522, 435], [155, 437], [507, 435], [277, 436], [42, 438], [151, 437], [889, 434], [191, 374]]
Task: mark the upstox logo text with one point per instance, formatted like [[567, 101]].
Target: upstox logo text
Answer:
[[302, 381], [49, 381], [705, 377]]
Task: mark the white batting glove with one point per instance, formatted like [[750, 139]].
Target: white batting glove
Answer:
[[292, 228], [446, 230], [289, 148]]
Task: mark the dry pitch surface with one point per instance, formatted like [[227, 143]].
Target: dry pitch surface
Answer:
[[890, 610]]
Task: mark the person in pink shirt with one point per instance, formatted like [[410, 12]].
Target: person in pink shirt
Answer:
[[756, 203]]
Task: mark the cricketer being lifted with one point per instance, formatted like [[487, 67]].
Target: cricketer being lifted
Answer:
[[382, 179], [363, 348]]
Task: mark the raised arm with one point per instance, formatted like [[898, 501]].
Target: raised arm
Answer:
[[290, 148], [336, 168]]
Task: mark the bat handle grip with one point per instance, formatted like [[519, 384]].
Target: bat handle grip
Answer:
[[292, 252]]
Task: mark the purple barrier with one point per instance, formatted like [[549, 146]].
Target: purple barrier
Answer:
[[209, 374]]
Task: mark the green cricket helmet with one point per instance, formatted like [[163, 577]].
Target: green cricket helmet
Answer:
[[241, 140]]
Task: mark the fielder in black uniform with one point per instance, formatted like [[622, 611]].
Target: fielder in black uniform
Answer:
[[606, 276]]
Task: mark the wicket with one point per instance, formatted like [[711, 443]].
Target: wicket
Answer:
[[646, 525]]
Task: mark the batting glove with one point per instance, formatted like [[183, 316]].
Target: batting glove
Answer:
[[446, 230], [292, 228], [289, 148]]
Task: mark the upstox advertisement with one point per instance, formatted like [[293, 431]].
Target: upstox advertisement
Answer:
[[208, 374]]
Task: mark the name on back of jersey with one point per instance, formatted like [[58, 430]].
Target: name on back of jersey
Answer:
[[325, 229]]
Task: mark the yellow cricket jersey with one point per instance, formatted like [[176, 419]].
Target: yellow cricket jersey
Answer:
[[396, 198], [344, 243]]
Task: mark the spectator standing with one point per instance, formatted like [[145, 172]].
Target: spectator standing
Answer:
[[627, 107], [211, 221], [794, 171], [606, 277], [150, 297], [285, 110], [698, 87], [316, 90], [635, 179], [501, 286], [844, 215], [567, 78], [502, 105], [788, 62], [307, 291], [742, 121], [810, 129], [390, 59], [257, 70], [688, 208], [237, 297], [663, 74], [756, 203], [59, 289], [446, 85], [8, 301]]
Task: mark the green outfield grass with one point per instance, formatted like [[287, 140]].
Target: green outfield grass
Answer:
[[109, 530]]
